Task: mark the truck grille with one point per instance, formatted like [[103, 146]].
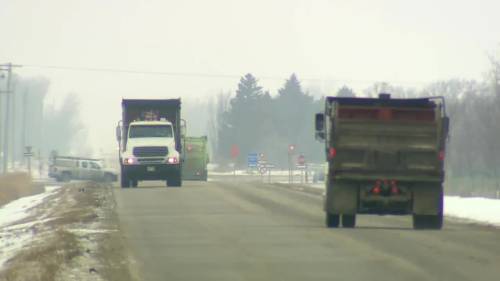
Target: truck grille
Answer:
[[150, 151], [151, 160]]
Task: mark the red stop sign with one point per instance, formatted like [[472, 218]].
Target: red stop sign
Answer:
[[235, 151]]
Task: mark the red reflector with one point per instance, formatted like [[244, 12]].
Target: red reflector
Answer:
[[376, 190], [332, 152], [441, 155]]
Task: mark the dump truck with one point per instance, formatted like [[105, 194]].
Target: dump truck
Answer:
[[150, 141], [196, 159], [384, 156]]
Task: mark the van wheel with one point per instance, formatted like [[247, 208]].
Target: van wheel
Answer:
[[65, 177], [348, 221], [108, 178], [332, 220]]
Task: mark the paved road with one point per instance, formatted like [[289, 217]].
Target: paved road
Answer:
[[250, 231]]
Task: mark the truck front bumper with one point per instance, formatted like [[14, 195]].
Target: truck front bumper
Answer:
[[152, 171]]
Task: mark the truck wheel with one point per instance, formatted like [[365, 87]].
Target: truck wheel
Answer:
[[134, 183], [428, 221], [124, 181], [175, 180], [349, 221], [332, 220]]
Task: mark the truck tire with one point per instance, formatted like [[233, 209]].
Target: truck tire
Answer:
[[428, 221], [431, 221], [349, 221], [332, 220], [124, 181], [175, 180], [134, 183]]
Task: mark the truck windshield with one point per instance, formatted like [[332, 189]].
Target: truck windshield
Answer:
[[150, 131]]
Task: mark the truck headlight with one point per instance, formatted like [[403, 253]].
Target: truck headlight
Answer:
[[172, 160], [130, 161]]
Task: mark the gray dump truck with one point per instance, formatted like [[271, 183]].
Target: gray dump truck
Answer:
[[385, 156], [150, 140]]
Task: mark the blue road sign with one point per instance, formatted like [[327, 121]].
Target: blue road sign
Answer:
[[252, 159]]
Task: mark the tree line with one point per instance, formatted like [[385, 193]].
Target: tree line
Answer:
[[257, 122]]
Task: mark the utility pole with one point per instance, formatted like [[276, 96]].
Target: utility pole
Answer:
[[7, 67], [23, 116]]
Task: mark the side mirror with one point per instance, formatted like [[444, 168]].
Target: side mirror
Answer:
[[446, 126], [118, 133], [320, 126], [183, 128]]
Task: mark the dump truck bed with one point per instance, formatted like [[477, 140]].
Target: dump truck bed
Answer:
[[377, 138]]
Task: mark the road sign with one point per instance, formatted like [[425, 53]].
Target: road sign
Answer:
[[252, 160], [28, 151], [235, 151]]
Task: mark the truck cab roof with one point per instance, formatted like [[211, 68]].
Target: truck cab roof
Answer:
[[149, 123]]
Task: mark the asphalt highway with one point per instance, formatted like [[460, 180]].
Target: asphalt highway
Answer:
[[239, 230]]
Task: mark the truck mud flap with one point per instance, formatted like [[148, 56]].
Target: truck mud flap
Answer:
[[427, 199], [341, 198]]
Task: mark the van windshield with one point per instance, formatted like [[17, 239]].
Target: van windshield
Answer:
[[150, 131]]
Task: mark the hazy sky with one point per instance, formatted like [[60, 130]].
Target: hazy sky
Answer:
[[337, 42]]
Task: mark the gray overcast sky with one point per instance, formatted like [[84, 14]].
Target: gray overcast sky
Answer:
[[339, 41]]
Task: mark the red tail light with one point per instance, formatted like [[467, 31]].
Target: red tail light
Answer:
[[332, 152], [394, 190], [377, 189], [441, 155]]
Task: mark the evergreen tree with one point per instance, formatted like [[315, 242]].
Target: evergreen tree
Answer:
[[246, 122]]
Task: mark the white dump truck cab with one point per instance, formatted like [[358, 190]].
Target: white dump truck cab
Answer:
[[150, 142]]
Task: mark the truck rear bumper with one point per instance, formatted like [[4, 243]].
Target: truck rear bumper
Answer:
[[151, 171], [385, 206]]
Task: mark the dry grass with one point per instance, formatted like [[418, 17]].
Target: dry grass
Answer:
[[16, 185], [41, 262]]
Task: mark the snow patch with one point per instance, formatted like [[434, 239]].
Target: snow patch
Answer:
[[477, 209], [20, 209], [14, 236]]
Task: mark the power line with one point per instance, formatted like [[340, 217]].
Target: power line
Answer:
[[208, 75]]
